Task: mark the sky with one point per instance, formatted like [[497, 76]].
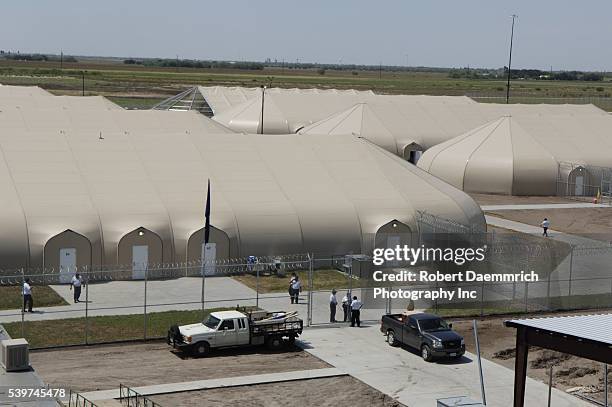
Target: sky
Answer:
[[564, 35]]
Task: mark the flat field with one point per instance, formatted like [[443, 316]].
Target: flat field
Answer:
[[132, 83]]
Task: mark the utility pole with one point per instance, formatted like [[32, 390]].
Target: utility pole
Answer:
[[83, 82], [61, 59], [263, 95], [380, 70], [510, 60]]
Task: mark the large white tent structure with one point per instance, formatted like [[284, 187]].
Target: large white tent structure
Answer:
[[97, 184], [528, 154], [565, 141]]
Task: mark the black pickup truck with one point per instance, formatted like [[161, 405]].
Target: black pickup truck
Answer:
[[427, 333]]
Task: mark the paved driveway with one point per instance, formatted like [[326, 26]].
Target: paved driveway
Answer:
[[363, 353]]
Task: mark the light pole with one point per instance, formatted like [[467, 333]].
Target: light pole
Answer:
[[510, 60], [263, 96]]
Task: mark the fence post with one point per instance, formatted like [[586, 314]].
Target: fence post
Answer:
[[570, 272], [548, 291], [482, 299], [257, 288], [202, 298], [86, 306], [145, 303], [526, 296], [22, 304], [310, 287]]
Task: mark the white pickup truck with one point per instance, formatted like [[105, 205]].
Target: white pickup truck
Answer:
[[234, 328]]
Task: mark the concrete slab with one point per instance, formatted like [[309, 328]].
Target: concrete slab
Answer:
[[25, 379], [216, 383], [510, 207], [403, 375]]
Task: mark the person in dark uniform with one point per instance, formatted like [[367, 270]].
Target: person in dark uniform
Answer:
[[293, 277], [346, 305], [76, 283], [356, 311]]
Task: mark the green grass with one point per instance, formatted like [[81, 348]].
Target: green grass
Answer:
[[565, 303], [324, 279], [115, 79], [135, 102], [73, 331], [44, 296]]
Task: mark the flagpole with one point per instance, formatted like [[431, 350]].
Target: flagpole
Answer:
[[206, 237]]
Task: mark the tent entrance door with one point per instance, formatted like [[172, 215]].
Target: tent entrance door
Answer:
[[68, 265], [140, 259], [392, 242], [579, 191]]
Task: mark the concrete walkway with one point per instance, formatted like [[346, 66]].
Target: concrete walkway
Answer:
[[514, 207], [127, 297], [403, 375], [573, 240], [217, 383]]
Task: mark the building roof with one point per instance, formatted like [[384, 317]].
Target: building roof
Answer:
[[595, 328], [520, 154], [103, 172]]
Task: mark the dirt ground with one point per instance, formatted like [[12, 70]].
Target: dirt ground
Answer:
[[489, 199], [497, 344], [153, 363], [595, 223], [335, 391]]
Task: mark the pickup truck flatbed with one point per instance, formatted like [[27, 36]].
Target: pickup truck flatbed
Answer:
[[236, 329]]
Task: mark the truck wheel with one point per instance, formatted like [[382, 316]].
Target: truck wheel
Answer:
[[291, 341], [391, 338], [201, 349], [426, 353], [275, 342]]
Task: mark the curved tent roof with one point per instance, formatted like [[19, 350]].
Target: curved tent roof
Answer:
[[105, 174], [361, 120], [499, 157], [521, 155]]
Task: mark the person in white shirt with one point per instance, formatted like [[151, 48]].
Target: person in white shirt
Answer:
[[545, 226], [333, 304], [27, 296], [356, 311], [296, 287], [346, 304], [76, 283]]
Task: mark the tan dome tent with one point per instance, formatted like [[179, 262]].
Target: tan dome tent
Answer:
[[359, 120], [499, 157], [114, 186]]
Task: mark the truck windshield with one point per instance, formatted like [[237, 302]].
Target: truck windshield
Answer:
[[212, 322], [428, 325]]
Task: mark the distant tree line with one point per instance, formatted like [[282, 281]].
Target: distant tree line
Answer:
[[253, 65], [534, 74], [190, 63], [37, 57]]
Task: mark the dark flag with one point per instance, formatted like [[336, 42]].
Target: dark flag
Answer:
[[207, 215]]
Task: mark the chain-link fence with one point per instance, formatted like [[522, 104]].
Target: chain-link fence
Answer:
[[602, 102], [113, 305], [586, 183]]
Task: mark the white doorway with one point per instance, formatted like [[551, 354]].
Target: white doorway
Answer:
[[579, 191], [209, 258], [392, 242], [68, 264], [140, 260]]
